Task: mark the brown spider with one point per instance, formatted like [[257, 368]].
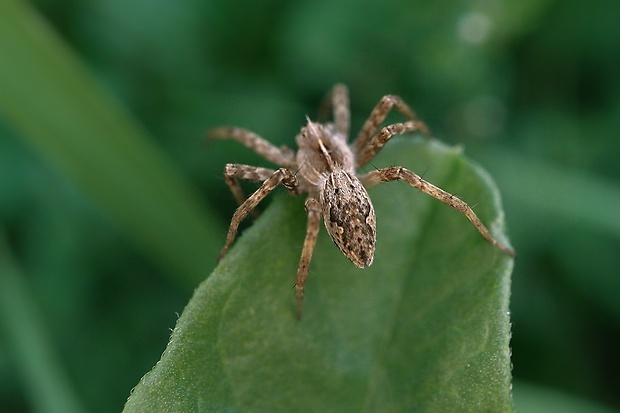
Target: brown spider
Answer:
[[325, 167]]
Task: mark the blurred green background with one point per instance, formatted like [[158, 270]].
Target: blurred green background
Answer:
[[88, 294]]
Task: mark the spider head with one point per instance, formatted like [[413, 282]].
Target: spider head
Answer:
[[322, 148]]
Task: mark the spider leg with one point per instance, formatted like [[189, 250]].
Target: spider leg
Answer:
[[378, 115], [374, 145], [394, 173], [233, 172], [282, 156], [338, 101], [313, 208], [282, 177]]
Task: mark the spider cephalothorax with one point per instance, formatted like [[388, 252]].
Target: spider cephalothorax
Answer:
[[326, 168]]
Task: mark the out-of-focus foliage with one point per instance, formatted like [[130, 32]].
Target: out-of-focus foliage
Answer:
[[531, 87]]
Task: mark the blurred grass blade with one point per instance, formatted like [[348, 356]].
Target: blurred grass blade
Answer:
[[42, 373], [425, 329], [574, 195], [51, 101], [531, 398]]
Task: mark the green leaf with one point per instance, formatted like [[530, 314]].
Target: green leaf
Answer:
[[426, 328], [56, 106]]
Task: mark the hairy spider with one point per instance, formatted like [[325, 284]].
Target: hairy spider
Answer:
[[325, 167]]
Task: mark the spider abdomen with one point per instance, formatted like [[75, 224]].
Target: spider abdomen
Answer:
[[349, 216]]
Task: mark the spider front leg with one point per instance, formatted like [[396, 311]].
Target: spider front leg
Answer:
[[378, 115], [373, 146], [312, 230], [234, 172], [394, 173], [281, 176]]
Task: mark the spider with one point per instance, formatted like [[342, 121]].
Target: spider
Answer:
[[326, 168]]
